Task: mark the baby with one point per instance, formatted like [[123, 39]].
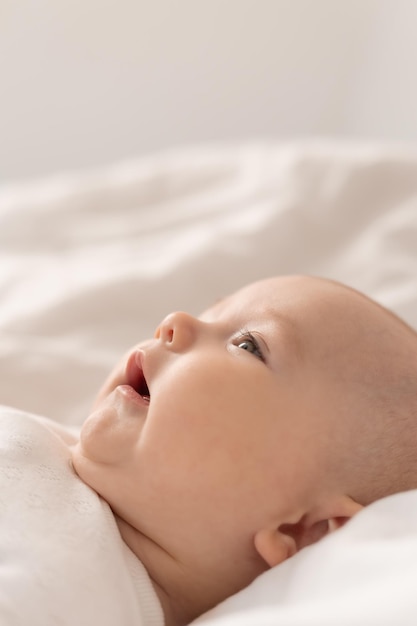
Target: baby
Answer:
[[228, 442]]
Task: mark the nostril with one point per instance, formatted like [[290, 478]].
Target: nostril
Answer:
[[176, 331], [165, 332]]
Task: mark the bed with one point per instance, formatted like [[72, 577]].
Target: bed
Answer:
[[92, 261]]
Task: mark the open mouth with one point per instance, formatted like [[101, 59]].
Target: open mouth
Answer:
[[141, 388], [135, 376]]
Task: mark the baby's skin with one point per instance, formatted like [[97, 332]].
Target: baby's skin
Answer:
[[228, 442]]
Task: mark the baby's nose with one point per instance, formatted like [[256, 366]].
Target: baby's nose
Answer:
[[177, 331]]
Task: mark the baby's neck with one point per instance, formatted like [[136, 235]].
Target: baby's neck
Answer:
[[161, 568]]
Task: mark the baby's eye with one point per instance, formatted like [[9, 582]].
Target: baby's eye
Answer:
[[248, 342]]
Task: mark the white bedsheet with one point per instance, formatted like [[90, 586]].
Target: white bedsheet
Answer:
[[90, 263]]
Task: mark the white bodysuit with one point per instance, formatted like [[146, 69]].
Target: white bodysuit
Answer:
[[62, 559]]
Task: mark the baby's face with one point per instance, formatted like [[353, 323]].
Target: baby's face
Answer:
[[218, 424]]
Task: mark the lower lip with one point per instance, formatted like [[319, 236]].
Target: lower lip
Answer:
[[133, 396]]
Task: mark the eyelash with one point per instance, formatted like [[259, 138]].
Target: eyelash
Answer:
[[246, 335]]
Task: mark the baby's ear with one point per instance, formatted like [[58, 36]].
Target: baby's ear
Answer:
[[275, 545]]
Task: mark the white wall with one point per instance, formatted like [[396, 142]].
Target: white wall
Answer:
[[87, 82]]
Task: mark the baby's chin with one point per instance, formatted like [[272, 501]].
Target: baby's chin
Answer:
[[109, 434], [91, 462], [99, 471], [90, 472]]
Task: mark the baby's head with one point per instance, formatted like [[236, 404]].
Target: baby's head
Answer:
[[228, 442]]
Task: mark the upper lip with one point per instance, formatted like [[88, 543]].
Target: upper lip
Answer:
[[135, 374]]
